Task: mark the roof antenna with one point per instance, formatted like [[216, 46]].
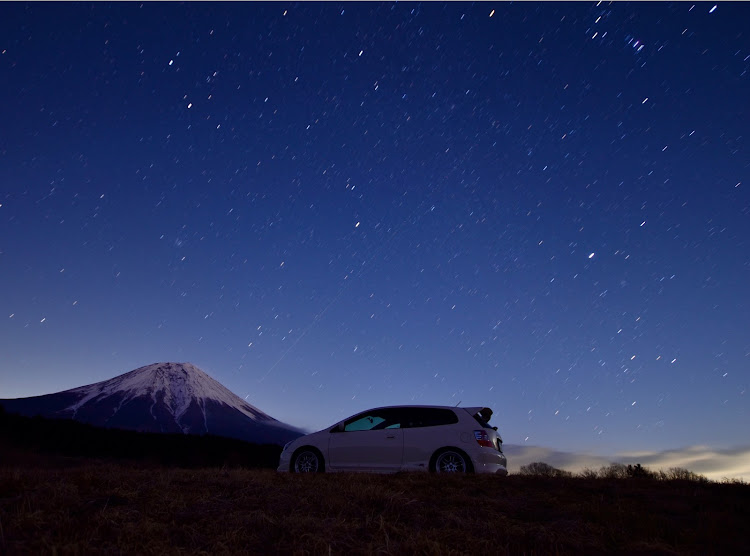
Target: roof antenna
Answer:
[[459, 403]]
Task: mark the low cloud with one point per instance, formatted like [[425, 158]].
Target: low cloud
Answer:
[[732, 463]]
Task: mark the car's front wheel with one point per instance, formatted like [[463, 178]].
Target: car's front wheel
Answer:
[[450, 461], [307, 460]]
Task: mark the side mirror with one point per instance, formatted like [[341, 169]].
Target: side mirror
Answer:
[[339, 427]]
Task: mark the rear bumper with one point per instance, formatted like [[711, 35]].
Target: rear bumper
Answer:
[[490, 461]]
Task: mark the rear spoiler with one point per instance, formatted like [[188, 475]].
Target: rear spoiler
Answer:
[[484, 412]]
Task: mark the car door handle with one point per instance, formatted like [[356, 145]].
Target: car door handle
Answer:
[[391, 436]]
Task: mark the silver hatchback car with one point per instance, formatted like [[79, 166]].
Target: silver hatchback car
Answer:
[[402, 438]]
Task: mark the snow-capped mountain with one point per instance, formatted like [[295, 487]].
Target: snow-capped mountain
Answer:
[[163, 397]]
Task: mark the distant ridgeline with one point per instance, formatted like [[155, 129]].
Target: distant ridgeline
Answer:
[[65, 437]]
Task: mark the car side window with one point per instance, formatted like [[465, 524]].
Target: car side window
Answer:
[[363, 422], [374, 420], [429, 417], [392, 419]]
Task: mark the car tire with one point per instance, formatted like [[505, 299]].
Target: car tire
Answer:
[[450, 460], [307, 460]]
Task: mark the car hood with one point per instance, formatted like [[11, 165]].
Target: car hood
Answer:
[[313, 436]]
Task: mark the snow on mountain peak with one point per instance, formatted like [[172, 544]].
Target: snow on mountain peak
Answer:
[[177, 384]]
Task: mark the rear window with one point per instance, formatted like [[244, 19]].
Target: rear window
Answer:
[[429, 417]]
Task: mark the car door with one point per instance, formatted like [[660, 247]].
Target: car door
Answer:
[[370, 441]]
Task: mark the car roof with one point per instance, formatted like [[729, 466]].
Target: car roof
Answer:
[[471, 410]]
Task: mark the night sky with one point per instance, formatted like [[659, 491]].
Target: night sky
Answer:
[[541, 208]]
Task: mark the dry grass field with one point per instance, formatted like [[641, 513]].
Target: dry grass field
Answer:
[[76, 506]]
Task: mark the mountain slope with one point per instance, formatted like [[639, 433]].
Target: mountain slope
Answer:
[[162, 397]]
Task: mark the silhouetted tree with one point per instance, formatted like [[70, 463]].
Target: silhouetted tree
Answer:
[[682, 474], [614, 471], [541, 469], [589, 473], [638, 472]]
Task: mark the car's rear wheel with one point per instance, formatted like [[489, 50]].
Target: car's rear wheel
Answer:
[[308, 460], [451, 461]]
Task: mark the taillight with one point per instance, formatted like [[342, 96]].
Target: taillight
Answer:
[[483, 439]]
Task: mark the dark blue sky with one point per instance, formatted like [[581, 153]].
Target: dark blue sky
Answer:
[[542, 208]]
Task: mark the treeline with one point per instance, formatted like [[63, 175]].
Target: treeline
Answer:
[[614, 471], [34, 438]]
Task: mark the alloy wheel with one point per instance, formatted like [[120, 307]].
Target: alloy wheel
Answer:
[[450, 462], [306, 462]]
